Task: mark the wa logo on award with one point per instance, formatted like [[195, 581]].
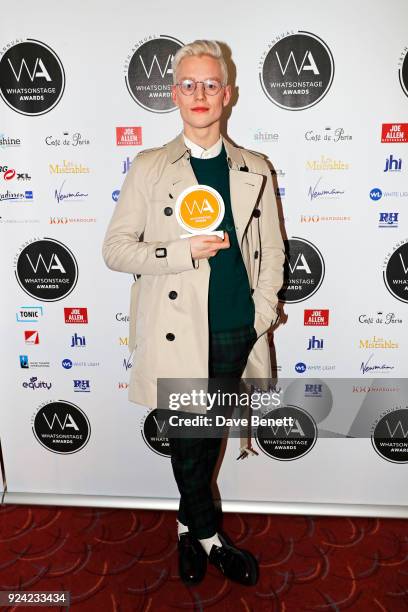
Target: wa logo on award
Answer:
[[297, 70], [46, 269], [199, 210], [395, 272], [303, 270], [32, 77], [148, 73]]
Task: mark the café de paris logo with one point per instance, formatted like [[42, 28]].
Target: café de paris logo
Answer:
[[32, 77], [403, 70], [297, 70], [148, 72]]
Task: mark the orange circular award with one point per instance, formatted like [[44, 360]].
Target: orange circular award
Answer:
[[199, 210]]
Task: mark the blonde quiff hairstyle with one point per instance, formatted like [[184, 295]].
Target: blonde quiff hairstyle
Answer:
[[198, 48]]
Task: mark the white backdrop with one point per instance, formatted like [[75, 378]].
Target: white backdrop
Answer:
[[332, 147]]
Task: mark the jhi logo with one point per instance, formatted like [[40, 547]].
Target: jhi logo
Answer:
[[315, 344], [77, 340], [392, 165], [388, 219]]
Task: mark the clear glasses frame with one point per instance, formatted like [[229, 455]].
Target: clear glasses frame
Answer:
[[211, 86]]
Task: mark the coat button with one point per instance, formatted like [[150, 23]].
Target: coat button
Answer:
[[168, 211], [256, 254], [257, 212], [173, 295], [170, 336]]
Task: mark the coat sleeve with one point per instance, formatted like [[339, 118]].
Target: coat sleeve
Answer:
[[122, 249], [270, 278]]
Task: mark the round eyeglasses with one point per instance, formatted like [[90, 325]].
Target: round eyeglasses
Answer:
[[211, 86]]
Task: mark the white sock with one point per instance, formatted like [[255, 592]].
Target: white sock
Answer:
[[207, 543], [181, 528]]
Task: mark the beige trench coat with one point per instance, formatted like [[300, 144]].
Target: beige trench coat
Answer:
[[144, 220]]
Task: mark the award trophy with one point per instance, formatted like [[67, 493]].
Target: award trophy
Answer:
[[199, 210]]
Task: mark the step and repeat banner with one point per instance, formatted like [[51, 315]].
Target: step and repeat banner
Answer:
[[323, 92]]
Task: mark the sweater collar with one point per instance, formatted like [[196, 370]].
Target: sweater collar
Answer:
[[177, 148]]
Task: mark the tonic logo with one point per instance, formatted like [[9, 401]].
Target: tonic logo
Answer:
[[38, 71], [311, 66]]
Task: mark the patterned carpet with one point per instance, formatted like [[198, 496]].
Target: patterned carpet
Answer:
[[126, 560]]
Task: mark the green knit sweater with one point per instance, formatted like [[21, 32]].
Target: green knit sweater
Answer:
[[230, 304]]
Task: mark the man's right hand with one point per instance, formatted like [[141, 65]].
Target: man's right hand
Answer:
[[206, 246]]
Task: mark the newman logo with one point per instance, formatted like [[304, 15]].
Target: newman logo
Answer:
[[76, 315], [316, 317], [128, 136], [31, 336], [394, 132]]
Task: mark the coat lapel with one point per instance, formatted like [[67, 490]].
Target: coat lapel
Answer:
[[244, 190]]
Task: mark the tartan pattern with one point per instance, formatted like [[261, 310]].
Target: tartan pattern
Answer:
[[229, 350], [194, 459]]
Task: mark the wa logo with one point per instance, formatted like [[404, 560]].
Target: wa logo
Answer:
[[303, 270], [154, 431], [395, 272], [149, 75], [199, 208], [46, 270], [390, 436], [32, 77], [61, 427], [297, 71]]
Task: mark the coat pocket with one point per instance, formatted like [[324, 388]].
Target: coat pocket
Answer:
[[134, 299]]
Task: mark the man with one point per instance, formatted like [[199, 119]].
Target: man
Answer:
[[202, 305]]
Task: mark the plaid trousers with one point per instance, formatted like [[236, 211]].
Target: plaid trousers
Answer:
[[194, 459]]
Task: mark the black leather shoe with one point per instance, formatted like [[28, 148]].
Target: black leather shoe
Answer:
[[236, 564], [192, 559]]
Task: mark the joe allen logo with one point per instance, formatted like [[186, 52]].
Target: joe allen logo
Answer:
[[199, 209], [297, 70], [32, 78], [148, 73]]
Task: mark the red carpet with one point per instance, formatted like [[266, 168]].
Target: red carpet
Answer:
[[126, 560]]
